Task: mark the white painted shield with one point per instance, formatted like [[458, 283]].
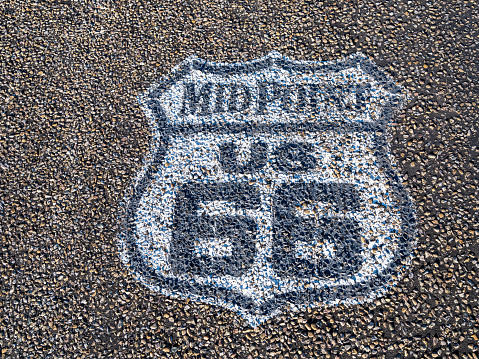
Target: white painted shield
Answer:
[[270, 186]]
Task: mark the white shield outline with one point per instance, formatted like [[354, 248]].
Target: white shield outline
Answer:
[[249, 309]]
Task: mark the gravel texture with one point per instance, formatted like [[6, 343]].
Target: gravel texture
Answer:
[[72, 137]]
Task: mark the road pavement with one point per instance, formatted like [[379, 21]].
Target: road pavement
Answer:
[[73, 137]]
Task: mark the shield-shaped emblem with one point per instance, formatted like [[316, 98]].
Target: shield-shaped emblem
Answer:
[[270, 186]]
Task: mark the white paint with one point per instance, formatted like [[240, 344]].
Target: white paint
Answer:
[[195, 158]]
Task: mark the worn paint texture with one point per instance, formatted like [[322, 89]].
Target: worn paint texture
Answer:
[[269, 186]]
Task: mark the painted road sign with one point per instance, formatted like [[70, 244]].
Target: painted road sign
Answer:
[[270, 186]]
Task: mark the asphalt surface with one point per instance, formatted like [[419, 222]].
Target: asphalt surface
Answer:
[[73, 136]]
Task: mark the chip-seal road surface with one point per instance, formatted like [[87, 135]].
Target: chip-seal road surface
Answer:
[[73, 136]]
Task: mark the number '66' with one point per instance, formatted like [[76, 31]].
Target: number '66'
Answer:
[[287, 230]]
